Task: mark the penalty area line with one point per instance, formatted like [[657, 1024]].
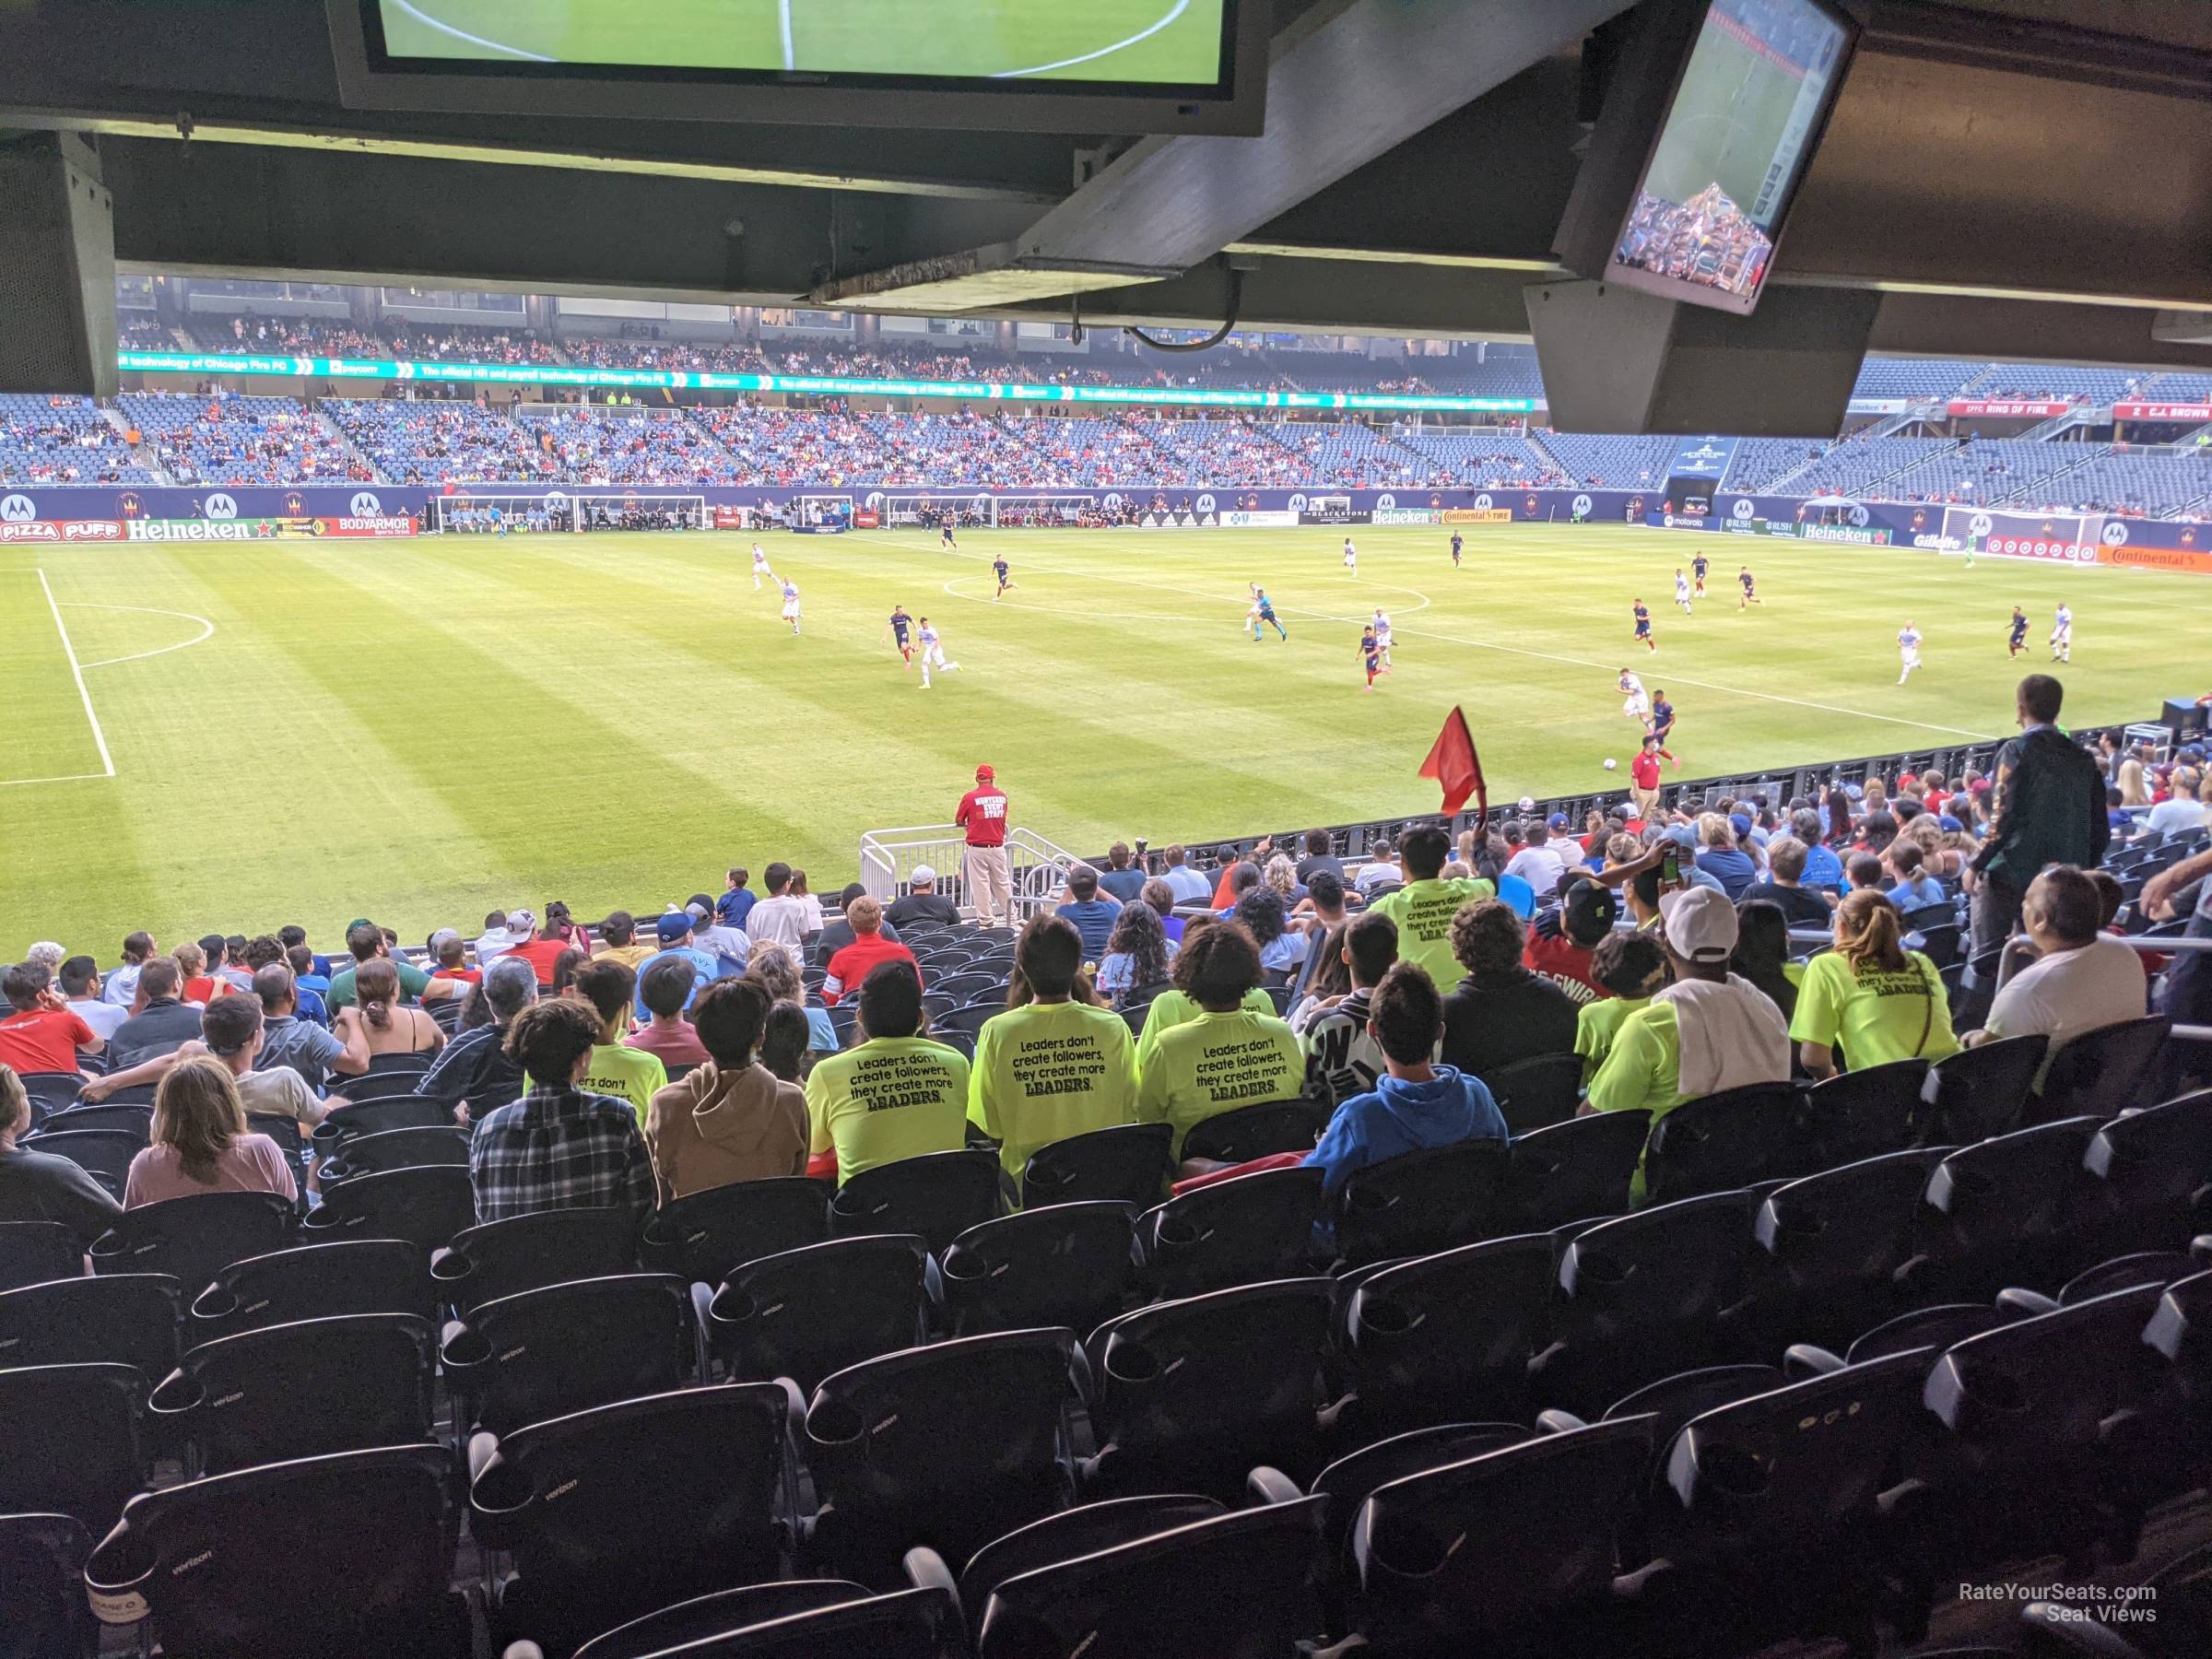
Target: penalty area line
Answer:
[[77, 673], [422, 16], [1174, 13]]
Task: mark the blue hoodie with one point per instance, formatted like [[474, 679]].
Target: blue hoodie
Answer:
[[1400, 1117]]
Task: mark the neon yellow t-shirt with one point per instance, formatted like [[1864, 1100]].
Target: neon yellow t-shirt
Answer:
[[626, 1074], [1874, 1017], [1644, 1066], [888, 1098], [1595, 1026], [1423, 911], [1049, 1070], [1172, 1008], [1215, 1063]]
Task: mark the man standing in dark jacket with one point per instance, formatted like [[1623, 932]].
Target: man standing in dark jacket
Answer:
[[2047, 807]]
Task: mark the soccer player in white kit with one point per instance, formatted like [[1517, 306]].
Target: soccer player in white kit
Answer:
[[760, 567], [1908, 651], [791, 604], [933, 651], [1636, 702], [1382, 638], [1351, 557], [2062, 635], [1682, 591]]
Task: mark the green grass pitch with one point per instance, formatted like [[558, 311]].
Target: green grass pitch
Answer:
[[1729, 114], [1142, 40], [418, 731]]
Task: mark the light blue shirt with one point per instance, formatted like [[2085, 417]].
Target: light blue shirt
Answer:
[[1822, 868], [705, 971], [1188, 886], [1913, 895]]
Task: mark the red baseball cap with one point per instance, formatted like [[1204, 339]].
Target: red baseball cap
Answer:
[[983, 774]]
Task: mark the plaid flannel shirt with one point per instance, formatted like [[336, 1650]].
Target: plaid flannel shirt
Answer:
[[559, 1149]]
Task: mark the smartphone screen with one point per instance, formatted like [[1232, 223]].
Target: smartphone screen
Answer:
[[1670, 866]]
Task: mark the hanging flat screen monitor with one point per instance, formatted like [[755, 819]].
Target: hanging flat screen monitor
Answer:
[[1752, 86], [1095, 66]]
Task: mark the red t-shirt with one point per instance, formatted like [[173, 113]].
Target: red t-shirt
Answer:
[[1644, 769], [982, 813], [1565, 964], [541, 954], [853, 963], [43, 1039]]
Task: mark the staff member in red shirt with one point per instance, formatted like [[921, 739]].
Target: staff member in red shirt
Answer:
[[1644, 780], [41, 1035], [982, 814]]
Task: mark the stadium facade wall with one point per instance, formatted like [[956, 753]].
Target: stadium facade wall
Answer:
[[2119, 541]]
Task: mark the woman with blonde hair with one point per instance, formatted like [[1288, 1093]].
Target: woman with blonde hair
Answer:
[[1282, 876], [199, 986], [1870, 996], [201, 1144], [1939, 856], [2133, 791], [386, 1026]]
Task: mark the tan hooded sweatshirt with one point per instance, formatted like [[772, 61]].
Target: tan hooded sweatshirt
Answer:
[[712, 1127]]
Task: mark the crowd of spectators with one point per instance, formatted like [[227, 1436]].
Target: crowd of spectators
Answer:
[[227, 439], [56, 438], [441, 442], [320, 336], [591, 445], [468, 343]]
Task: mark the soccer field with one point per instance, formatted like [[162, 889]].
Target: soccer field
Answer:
[[1729, 116], [1156, 42], [417, 731]]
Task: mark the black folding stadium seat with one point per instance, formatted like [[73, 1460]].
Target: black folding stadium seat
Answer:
[[1190, 1395], [397, 1064], [897, 1459], [1768, 1511], [938, 1196], [397, 1149], [1829, 1249], [426, 1205], [314, 1281], [2160, 1267], [1931, 1330], [805, 1313], [1726, 1141], [1578, 1170], [1862, 1114], [2153, 1174], [348, 1557], [900, 1624], [103, 1154], [42, 1606], [80, 1444], [2104, 1071], [1061, 1264], [193, 1239], [1082, 1530], [570, 1346], [973, 988], [1645, 1296], [2180, 1334], [2025, 1461], [131, 1119], [50, 1092], [123, 1319], [33, 1251], [1981, 1091], [1537, 1092], [366, 1116], [614, 1512], [704, 1617], [2006, 1211], [1237, 1231], [1422, 1202], [1127, 1163], [300, 1390], [1262, 1131], [1245, 1585], [1510, 1552], [1445, 1338], [704, 1235], [527, 1252]]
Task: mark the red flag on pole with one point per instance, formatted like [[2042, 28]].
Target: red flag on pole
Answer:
[[1453, 763]]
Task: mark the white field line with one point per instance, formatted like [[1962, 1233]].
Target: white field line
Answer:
[[1146, 33], [77, 673], [420, 15], [206, 632]]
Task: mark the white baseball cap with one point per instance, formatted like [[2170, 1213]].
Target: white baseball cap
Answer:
[[921, 875], [1701, 925]]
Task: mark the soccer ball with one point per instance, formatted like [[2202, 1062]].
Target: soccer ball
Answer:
[[1611, 764]]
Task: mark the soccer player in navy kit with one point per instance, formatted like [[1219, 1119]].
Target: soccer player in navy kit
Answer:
[[1456, 545], [1263, 610], [2020, 632], [1644, 626], [945, 539], [1697, 567], [998, 569], [897, 630], [1372, 652], [1662, 723], [1749, 597]]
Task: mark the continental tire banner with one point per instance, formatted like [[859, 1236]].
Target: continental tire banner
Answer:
[[1477, 515]]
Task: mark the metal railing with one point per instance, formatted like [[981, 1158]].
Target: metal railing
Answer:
[[889, 857]]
